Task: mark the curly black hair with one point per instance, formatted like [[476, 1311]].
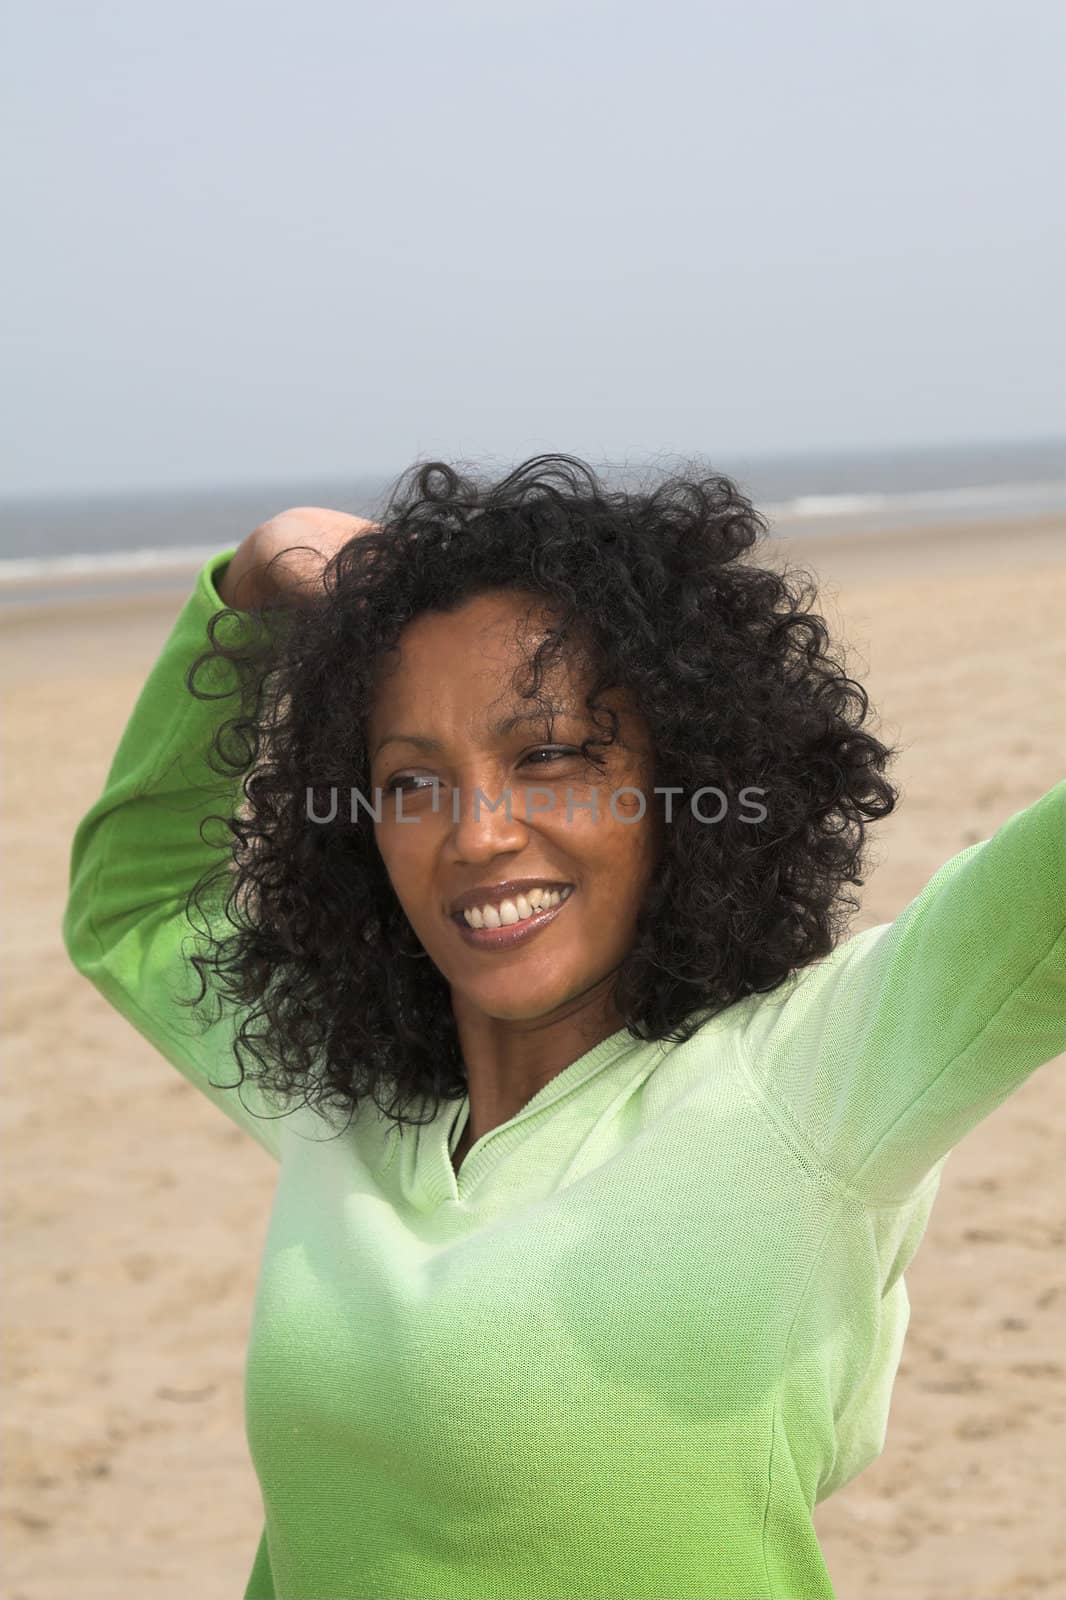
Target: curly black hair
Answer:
[[733, 671]]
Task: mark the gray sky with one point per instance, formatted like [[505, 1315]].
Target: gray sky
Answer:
[[253, 242]]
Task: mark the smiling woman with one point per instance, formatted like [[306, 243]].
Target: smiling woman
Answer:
[[599, 1287], [481, 625], [529, 992]]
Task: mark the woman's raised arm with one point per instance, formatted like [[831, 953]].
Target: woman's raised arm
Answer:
[[138, 851], [883, 1055]]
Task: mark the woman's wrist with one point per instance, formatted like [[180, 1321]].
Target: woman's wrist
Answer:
[[237, 584], [282, 561]]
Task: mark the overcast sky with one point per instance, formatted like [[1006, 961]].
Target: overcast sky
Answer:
[[250, 242]]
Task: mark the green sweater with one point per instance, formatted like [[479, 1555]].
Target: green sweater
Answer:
[[659, 1312]]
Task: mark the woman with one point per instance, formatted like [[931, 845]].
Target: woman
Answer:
[[538, 812]]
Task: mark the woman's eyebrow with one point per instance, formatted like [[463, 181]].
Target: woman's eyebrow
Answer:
[[498, 730]]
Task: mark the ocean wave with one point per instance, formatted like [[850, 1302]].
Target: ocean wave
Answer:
[[874, 508], [979, 497], [175, 558]]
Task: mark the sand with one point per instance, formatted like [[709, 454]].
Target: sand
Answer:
[[134, 1214]]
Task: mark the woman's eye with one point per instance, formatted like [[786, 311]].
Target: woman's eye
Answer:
[[553, 752], [409, 778]]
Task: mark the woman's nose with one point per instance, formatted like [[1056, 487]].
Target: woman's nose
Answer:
[[487, 816]]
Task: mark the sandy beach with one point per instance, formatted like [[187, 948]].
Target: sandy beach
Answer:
[[134, 1213]]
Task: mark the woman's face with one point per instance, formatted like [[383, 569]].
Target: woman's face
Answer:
[[448, 711]]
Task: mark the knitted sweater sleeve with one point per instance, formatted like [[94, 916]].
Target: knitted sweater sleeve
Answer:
[[138, 851], [883, 1055]]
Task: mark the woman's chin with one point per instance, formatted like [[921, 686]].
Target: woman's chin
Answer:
[[502, 1004]]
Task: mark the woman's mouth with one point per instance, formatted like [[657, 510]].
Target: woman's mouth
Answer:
[[517, 919]]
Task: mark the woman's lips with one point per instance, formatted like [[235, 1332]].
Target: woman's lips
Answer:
[[516, 933]]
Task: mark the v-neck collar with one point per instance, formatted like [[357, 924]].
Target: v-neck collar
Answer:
[[433, 1177]]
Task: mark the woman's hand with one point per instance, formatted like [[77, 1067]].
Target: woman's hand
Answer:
[[303, 540]]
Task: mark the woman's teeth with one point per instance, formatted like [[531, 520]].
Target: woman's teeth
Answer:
[[508, 912]]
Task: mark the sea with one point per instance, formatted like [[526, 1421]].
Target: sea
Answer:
[[72, 547]]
